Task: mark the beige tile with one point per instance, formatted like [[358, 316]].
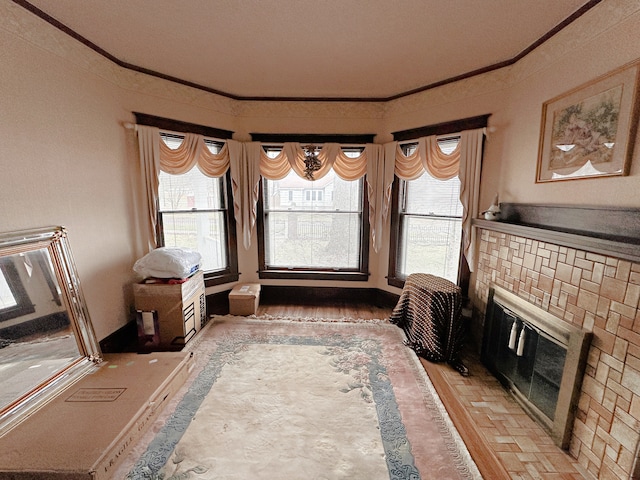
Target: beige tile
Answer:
[[588, 300], [511, 462], [610, 271], [613, 289], [544, 252], [624, 434], [529, 261], [546, 270], [624, 269], [623, 309], [597, 273], [582, 263], [632, 296], [590, 286], [558, 461], [620, 351], [593, 388], [526, 443], [538, 264], [576, 276], [603, 306], [631, 379]]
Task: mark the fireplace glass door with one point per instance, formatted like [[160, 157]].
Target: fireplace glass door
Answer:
[[539, 358], [525, 358]]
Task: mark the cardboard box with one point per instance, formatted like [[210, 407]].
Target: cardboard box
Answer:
[[89, 428], [170, 315], [244, 299]]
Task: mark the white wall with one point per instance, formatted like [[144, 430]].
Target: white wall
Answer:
[[601, 41], [66, 158], [63, 162]]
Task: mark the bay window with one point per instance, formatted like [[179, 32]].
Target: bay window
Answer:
[[318, 228]]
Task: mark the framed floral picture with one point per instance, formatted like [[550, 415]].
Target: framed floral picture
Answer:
[[589, 131]]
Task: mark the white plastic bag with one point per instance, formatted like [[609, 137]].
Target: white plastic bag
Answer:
[[168, 262]]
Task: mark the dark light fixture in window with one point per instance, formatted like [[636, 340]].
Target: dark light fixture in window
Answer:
[[311, 161]]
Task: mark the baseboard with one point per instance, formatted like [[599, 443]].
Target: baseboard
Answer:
[[382, 298], [218, 303], [125, 338], [298, 295]]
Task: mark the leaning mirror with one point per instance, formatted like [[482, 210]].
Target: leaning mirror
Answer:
[[46, 337]]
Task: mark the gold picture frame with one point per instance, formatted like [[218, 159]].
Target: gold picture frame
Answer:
[[590, 131]]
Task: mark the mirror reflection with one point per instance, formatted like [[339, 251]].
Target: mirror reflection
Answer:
[[36, 338], [46, 337]]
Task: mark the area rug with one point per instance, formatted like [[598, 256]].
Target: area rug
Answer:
[[279, 399]]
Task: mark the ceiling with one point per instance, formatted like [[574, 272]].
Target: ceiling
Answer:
[[313, 49]]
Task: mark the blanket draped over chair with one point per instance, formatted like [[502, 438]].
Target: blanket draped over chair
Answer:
[[429, 311]]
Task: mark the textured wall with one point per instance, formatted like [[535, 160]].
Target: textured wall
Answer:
[[600, 294], [67, 158]]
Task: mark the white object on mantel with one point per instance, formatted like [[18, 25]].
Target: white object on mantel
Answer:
[[493, 212]]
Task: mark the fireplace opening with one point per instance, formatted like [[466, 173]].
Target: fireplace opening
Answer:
[[538, 357]]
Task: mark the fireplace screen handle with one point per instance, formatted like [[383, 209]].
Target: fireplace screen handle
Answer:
[[517, 340], [521, 341], [513, 336]]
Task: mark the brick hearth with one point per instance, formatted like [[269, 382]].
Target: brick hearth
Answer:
[[598, 293]]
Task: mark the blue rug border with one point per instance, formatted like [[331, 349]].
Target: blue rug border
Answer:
[[400, 460]]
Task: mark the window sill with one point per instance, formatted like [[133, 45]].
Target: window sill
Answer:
[[396, 282], [214, 278], [313, 275]]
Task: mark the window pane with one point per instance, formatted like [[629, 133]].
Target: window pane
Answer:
[[429, 196], [431, 245], [313, 224], [329, 194], [448, 145], [201, 231], [313, 240], [6, 296], [192, 190]]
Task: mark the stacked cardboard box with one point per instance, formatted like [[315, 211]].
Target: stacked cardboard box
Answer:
[[170, 315], [88, 429]]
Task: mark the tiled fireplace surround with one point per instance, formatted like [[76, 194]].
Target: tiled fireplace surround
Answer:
[[599, 293]]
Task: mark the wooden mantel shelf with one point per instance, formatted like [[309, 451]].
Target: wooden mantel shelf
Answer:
[[598, 238]]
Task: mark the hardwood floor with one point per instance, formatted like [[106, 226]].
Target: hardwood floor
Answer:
[[503, 441], [334, 311]]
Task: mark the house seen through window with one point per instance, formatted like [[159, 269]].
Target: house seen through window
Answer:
[[428, 223], [313, 225]]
